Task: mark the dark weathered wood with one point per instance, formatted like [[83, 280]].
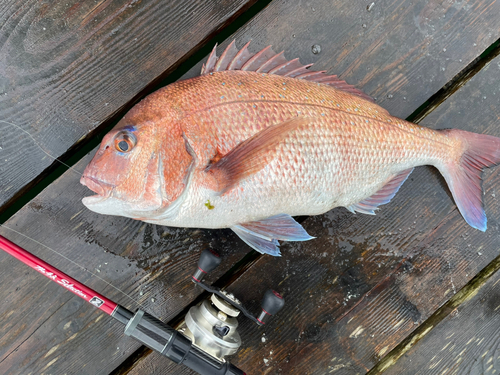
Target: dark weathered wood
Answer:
[[366, 282], [364, 242], [46, 329], [384, 285], [465, 342], [399, 52], [68, 66]]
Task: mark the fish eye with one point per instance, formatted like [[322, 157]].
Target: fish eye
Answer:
[[125, 141]]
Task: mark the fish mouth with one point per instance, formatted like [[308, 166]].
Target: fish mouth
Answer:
[[102, 189]]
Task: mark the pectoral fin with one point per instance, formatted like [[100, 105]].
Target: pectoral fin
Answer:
[[251, 155], [262, 235]]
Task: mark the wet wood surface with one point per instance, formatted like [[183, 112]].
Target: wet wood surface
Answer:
[[352, 294], [367, 282], [399, 52], [465, 342], [384, 275], [67, 67]]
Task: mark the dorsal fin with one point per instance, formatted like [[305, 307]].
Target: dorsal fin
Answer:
[[268, 61]]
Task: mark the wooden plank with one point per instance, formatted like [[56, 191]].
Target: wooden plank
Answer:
[[46, 329], [465, 342], [367, 282], [105, 233], [67, 67], [399, 52]]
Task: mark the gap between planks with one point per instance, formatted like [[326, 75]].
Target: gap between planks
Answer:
[[225, 280], [467, 292], [473, 286], [455, 83]]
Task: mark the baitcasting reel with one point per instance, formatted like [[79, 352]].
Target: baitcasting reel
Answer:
[[212, 324]]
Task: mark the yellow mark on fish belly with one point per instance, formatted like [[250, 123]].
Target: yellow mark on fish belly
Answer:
[[209, 205]]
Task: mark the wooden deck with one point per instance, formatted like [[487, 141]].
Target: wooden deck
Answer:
[[412, 290]]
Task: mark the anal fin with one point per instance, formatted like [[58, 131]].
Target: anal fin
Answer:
[[383, 196], [262, 235]]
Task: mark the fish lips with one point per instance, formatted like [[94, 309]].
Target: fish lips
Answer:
[[102, 189], [104, 203]]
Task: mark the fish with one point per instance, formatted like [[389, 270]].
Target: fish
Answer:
[[257, 139]]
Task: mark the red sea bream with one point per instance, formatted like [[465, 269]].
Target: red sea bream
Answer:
[[257, 139]]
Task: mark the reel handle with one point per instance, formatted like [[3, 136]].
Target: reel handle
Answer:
[[209, 260], [271, 304]]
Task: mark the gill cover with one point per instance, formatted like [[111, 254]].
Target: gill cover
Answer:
[[139, 170]]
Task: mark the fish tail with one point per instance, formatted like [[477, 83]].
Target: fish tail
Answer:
[[463, 174]]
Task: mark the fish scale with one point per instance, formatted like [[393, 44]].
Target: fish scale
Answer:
[[248, 150]]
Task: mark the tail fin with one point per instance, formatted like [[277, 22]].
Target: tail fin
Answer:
[[464, 177]]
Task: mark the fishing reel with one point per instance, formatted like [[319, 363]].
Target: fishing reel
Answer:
[[212, 325]]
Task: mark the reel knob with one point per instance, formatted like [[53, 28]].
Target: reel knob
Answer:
[[209, 260], [271, 304]]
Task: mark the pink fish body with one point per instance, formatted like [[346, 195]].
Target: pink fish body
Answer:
[[257, 139]]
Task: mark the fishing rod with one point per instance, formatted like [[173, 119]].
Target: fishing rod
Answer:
[[208, 332]]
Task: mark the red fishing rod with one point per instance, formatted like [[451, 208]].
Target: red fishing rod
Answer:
[[144, 327]]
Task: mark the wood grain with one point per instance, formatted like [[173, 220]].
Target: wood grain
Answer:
[[384, 275], [68, 66], [465, 342], [348, 260], [366, 282], [399, 52], [372, 291]]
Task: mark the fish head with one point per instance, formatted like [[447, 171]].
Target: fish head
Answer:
[[138, 170]]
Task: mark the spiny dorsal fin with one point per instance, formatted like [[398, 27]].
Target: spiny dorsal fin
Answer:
[[268, 61]]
